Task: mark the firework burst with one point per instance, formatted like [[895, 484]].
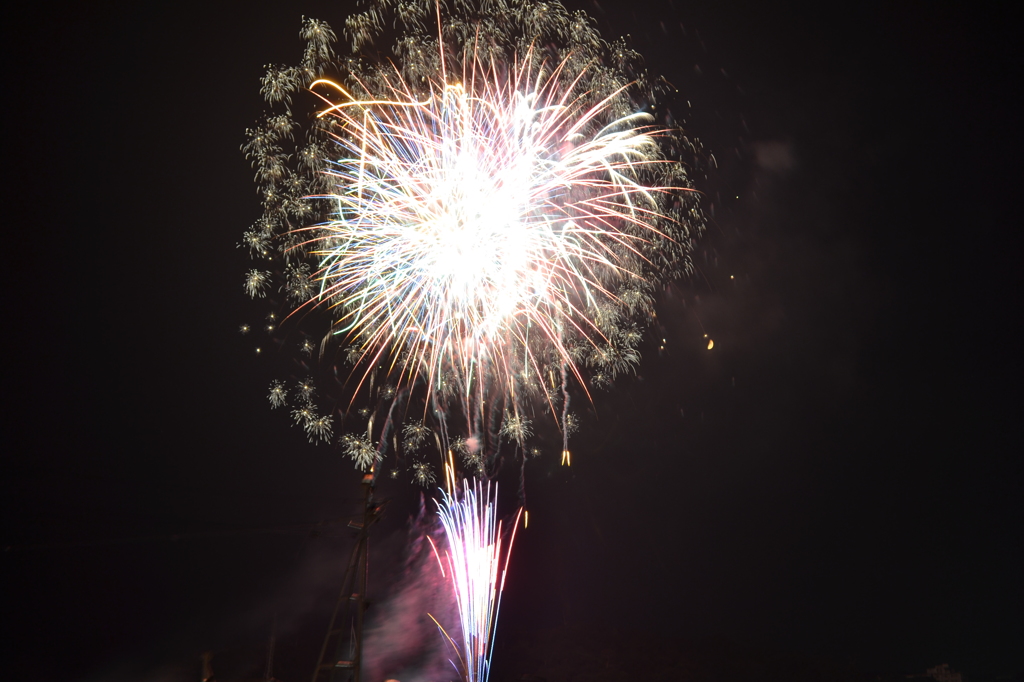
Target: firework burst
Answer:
[[485, 215], [475, 231]]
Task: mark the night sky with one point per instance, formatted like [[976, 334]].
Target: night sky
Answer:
[[838, 483]]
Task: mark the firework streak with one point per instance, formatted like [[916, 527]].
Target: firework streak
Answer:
[[477, 568]]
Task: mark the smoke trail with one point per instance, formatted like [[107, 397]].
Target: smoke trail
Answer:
[[401, 641]]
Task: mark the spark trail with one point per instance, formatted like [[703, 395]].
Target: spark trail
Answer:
[[476, 566]]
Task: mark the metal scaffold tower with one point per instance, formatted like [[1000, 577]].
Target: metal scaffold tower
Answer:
[[341, 654]]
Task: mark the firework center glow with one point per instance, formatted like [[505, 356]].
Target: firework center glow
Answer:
[[479, 249]]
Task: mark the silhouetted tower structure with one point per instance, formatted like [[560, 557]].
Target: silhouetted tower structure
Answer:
[[342, 652]]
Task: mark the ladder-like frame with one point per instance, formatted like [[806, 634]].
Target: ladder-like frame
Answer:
[[344, 663]]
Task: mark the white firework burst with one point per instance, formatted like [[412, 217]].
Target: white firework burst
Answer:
[[613, 358], [423, 474], [256, 283], [257, 241], [304, 413], [278, 394], [306, 389], [516, 427], [570, 423], [320, 428], [482, 216], [414, 434], [360, 449]]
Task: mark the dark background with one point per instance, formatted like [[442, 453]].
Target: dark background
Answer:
[[838, 481]]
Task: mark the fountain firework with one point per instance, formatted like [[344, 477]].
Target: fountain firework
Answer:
[[476, 566]]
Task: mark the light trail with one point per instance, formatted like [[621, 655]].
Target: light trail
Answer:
[[477, 566]]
